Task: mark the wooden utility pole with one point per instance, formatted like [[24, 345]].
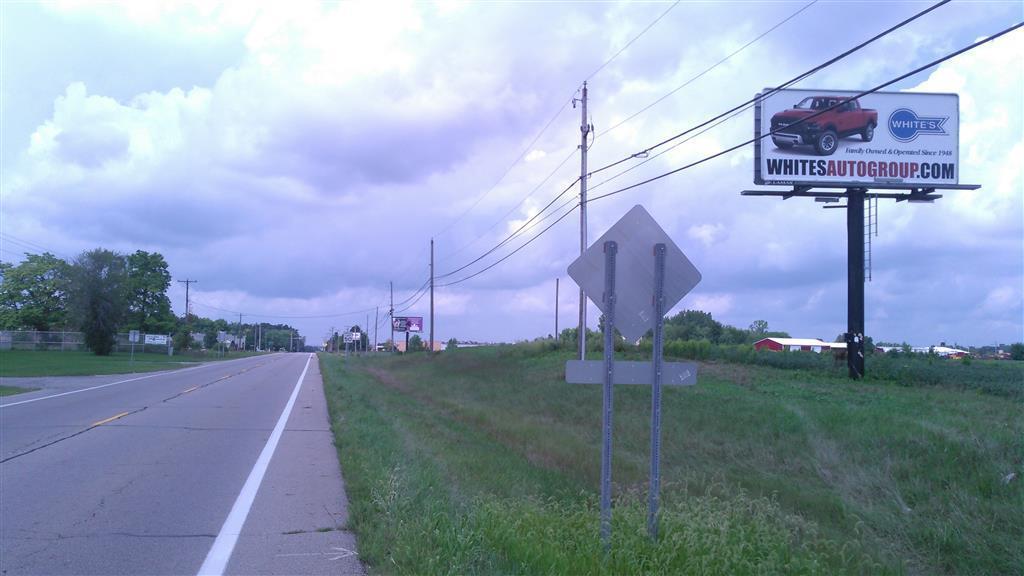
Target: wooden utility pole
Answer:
[[187, 282], [431, 345], [556, 308], [581, 336], [391, 315]]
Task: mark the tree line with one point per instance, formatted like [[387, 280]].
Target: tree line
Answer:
[[102, 292]]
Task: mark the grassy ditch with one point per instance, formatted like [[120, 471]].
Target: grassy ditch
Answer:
[[12, 390], [485, 461], [29, 363]]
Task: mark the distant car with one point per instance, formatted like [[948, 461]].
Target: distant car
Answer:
[[823, 131]]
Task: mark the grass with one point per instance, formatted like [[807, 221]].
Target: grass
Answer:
[[27, 363], [485, 461], [12, 390]]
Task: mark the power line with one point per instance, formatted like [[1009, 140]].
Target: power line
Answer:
[[513, 253], [816, 114], [283, 316], [716, 120], [507, 170], [544, 129], [512, 235], [782, 86], [745, 143], [630, 43], [513, 209], [708, 69]]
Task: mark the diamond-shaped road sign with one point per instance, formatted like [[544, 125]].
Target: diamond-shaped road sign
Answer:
[[636, 234]]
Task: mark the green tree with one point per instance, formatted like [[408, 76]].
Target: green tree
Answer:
[[182, 339], [415, 344], [97, 297], [34, 293], [453, 344], [758, 329], [1017, 351], [149, 308], [210, 338]]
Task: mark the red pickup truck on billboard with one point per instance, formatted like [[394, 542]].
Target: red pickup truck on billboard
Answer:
[[823, 131]]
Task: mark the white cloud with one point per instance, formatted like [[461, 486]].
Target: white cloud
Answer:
[[315, 169]]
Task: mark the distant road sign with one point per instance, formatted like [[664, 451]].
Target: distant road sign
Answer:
[[350, 337], [133, 335], [636, 233]]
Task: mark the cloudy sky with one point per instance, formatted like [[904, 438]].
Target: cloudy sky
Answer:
[[296, 157]]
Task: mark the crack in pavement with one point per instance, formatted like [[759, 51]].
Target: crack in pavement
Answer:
[[136, 411]]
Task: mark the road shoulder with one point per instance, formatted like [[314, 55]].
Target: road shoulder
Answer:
[[297, 523]]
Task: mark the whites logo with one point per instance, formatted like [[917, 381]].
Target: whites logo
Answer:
[[905, 125]]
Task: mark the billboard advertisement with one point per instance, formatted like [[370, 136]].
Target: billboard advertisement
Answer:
[[407, 323], [157, 339], [816, 137]]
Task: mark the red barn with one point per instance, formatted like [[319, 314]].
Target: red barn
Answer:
[[793, 344]]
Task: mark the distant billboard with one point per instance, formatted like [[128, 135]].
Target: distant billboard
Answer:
[[156, 339], [407, 323], [815, 137]]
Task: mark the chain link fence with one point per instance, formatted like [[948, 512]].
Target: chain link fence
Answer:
[[75, 341]]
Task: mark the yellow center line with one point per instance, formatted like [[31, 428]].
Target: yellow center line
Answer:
[[190, 389], [111, 419]]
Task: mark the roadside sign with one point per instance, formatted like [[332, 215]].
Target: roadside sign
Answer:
[[158, 339], [815, 137], [349, 337], [133, 336], [407, 323], [640, 274], [636, 234]]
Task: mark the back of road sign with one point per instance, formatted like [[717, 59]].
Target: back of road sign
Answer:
[[636, 234]]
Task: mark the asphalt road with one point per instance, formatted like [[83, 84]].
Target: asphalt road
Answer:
[[227, 467]]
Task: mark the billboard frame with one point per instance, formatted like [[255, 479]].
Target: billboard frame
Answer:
[[851, 95]]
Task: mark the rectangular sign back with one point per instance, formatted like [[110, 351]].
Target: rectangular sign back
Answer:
[[814, 137]]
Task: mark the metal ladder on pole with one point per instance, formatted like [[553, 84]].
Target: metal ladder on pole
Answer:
[[870, 229]]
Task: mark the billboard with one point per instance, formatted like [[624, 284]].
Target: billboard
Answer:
[[407, 323], [816, 137], [157, 339]]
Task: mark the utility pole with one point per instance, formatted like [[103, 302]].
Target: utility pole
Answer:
[[376, 324], [238, 336], [391, 314], [431, 345], [581, 336], [556, 307], [187, 283]]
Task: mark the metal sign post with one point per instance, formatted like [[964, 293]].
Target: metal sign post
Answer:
[[611, 248], [637, 290], [656, 354]]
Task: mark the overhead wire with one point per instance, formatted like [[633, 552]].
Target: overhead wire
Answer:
[[708, 69], [771, 91], [805, 119], [630, 43], [748, 142], [546, 126], [513, 209], [718, 119], [512, 235]]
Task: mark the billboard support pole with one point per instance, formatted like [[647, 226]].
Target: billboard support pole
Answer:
[[855, 197], [855, 282]]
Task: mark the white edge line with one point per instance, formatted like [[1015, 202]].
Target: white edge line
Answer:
[[220, 553], [162, 373]]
